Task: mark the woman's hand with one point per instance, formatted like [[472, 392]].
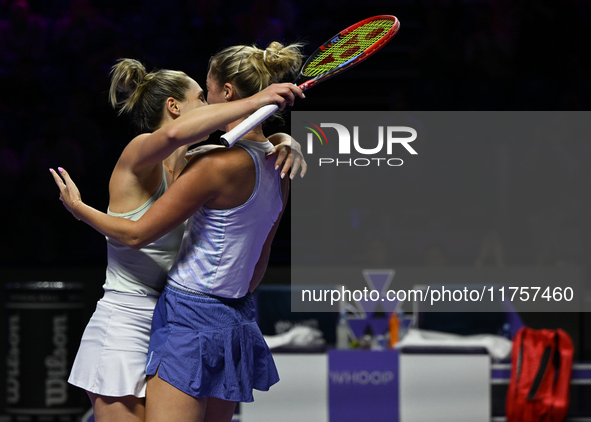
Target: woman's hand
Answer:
[[282, 94], [69, 194], [289, 153]]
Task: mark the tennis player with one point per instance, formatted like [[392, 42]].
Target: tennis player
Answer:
[[171, 111]]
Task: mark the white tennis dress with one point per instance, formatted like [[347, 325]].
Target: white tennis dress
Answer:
[[111, 359]]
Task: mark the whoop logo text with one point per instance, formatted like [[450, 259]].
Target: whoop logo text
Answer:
[[387, 136]]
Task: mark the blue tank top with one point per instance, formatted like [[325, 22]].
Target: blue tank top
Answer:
[[220, 248]]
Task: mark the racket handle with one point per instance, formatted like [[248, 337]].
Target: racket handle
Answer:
[[255, 119]]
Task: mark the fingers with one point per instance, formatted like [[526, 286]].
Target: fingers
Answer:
[[286, 166], [287, 98], [286, 94], [65, 175], [73, 190], [281, 156], [69, 193], [295, 167], [298, 161], [297, 90], [58, 180], [304, 167], [290, 159]]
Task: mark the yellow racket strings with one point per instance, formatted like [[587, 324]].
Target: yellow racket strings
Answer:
[[343, 49]]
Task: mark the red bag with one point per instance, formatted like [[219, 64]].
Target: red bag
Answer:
[[540, 376]]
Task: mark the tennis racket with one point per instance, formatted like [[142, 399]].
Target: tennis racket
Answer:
[[346, 49]]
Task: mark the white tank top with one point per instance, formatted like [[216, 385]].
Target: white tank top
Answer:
[[142, 272], [221, 247]]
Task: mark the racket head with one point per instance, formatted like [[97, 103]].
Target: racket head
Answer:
[[348, 48]]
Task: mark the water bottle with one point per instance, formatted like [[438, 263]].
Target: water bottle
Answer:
[[343, 330]]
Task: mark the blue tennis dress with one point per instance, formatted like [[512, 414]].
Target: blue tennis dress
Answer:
[[204, 339]]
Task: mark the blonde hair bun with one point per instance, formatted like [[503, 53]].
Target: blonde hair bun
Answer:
[[251, 69], [281, 60]]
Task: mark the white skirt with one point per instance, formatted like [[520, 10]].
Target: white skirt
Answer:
[[111, 360]]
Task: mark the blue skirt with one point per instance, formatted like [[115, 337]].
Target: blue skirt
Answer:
[[209, 346]]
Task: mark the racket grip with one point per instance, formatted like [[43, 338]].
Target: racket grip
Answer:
[[255, 119]]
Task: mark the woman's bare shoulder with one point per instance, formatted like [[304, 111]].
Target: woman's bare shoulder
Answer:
[[213, 157], [130, 152], [223, 169]]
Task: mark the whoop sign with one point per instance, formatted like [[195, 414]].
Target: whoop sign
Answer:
[[363, 385]]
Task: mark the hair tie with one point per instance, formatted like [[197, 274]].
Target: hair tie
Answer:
[[265, 55]]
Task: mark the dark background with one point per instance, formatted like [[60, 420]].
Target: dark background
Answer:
[[55, 56]]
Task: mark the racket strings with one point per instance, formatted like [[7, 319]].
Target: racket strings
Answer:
[[342, 50]]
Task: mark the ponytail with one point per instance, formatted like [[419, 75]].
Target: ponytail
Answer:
[[143, 95]]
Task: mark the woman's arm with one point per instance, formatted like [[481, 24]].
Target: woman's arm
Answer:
[[287, 150], [197, 124], [203, 178]]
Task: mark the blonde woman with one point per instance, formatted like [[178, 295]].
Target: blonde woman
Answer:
[[170, 110]]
